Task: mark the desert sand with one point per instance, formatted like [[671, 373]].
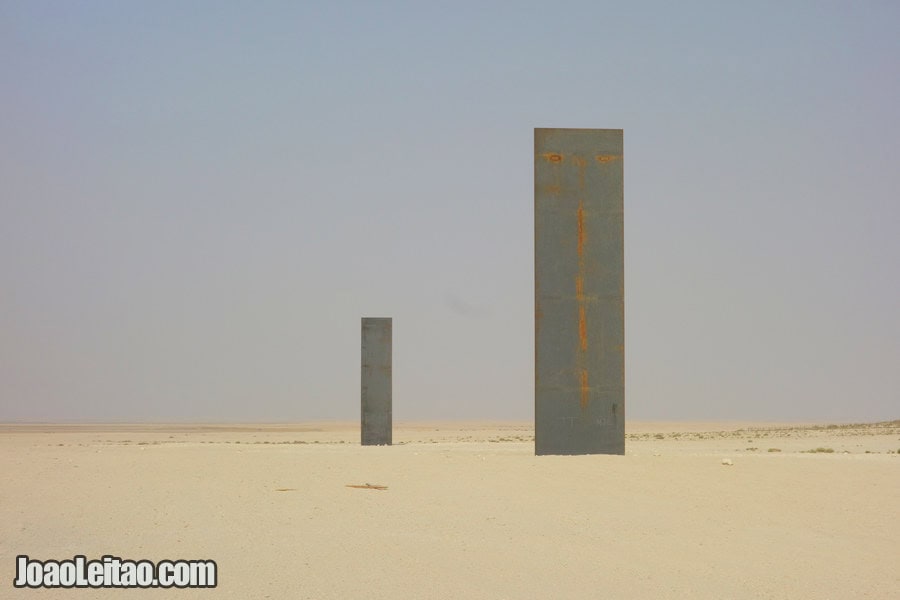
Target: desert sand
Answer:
[[468, 511]]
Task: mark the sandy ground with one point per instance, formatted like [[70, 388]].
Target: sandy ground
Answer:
[[469, 511]]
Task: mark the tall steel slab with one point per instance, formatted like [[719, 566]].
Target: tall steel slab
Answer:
[[579, 321], [376, 381]]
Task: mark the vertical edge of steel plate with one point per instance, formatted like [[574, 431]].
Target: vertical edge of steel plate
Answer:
[[376, 381], [579, 298]]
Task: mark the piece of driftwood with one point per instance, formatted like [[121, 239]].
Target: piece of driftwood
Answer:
[[368, 486]]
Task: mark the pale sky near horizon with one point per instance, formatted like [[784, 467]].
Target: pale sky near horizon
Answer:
[[200, 200]]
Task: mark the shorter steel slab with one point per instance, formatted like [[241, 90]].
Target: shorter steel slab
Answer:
[[376, 381]]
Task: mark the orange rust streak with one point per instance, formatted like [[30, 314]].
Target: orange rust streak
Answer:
[[605, 158], [580, 230], [585, 390], [579, 280], [553, 157], [582, 328]]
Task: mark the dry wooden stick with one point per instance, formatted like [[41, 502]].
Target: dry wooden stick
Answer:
[[368, 486]]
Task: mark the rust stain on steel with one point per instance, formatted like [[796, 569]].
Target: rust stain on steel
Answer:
[[582, 327], [579, 289], [580, 234], [579, 282], [553, 157], [585, 390], [582, 318], [605, 158]]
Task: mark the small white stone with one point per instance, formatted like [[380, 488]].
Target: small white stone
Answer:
[[727, 462]]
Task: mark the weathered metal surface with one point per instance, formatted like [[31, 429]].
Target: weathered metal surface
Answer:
[[579, 279], [376, 381]]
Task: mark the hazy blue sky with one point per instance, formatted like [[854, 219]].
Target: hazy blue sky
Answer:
[[199, 200]]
